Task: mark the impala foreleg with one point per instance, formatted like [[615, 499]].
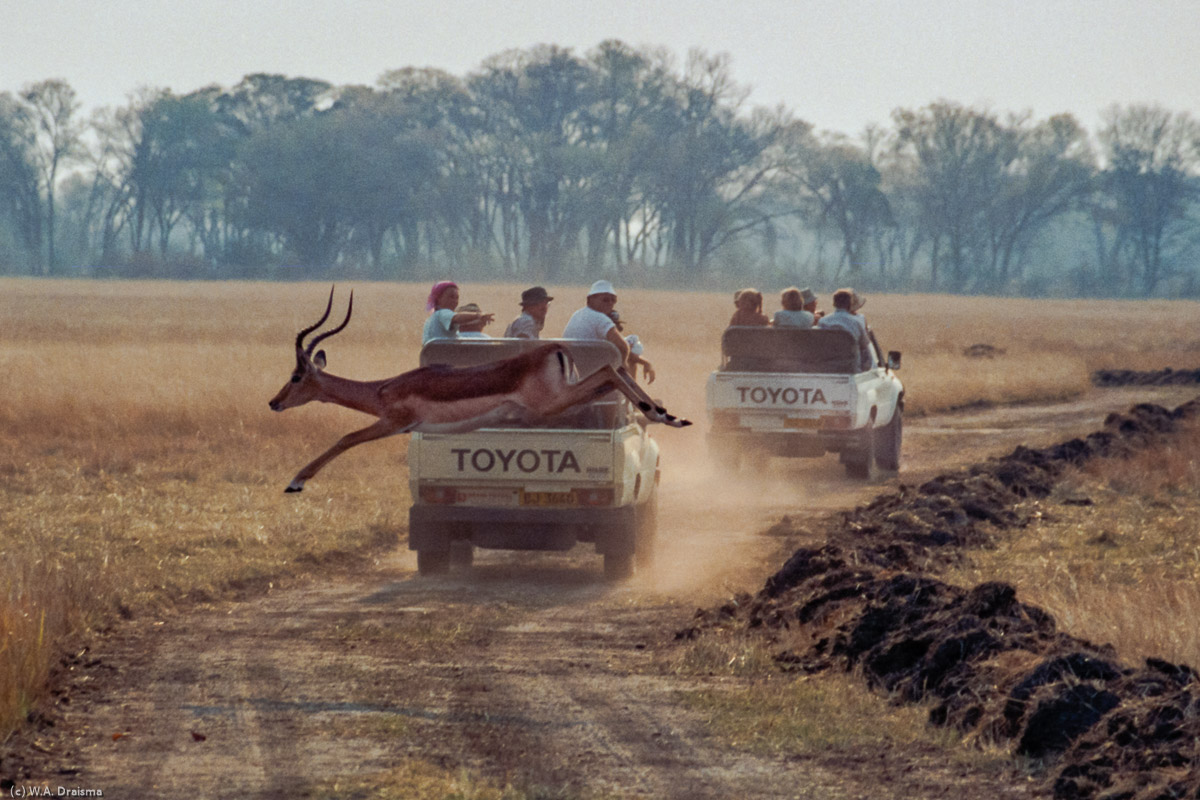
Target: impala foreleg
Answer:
[[381, 429]]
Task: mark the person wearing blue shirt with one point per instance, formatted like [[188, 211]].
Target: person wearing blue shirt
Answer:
[[845, 303]]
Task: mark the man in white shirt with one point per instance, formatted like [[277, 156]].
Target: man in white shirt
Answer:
[[593, 320]]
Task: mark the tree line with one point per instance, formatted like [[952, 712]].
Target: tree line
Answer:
[[544, 165]]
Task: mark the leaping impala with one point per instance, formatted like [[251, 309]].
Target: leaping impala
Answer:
[[442, 399]]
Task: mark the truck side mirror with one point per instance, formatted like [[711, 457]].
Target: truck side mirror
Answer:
[[893, 360]]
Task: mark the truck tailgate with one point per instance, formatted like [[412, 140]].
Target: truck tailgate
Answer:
[[772, 400]]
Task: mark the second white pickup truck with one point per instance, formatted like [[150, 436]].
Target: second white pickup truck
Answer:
[[800, 392]]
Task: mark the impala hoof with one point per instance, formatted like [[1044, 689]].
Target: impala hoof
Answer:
[[292, 488]]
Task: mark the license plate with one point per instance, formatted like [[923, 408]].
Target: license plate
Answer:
[[802, 422], [548, 499], [487, 497]]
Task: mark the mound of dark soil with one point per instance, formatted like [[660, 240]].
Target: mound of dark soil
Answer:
[[1129, 377], [988, 662]]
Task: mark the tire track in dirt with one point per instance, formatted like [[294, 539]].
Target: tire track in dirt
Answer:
[[572, 695]]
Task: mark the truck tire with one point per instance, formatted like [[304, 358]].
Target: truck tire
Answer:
[[646, 533], [618, 566], [433, 562], [462, 554], [860, 464], [887, 445]]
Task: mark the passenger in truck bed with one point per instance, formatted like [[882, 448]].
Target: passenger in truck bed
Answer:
[[535, 303], [793, 313], [810, 303], [749, 304], [845, 303]]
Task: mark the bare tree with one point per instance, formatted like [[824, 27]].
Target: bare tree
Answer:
[[959, 156], [843, 186], [1151, 162], [57, 136], [20, 186]]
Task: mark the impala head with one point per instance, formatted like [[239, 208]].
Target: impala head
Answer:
[[304, 385]]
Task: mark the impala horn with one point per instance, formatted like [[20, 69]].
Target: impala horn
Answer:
[[300, 354], [318, 339]]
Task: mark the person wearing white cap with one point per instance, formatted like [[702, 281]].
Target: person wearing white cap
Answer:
[[593, 320]]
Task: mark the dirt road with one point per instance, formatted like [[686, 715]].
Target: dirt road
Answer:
[[527, 668]]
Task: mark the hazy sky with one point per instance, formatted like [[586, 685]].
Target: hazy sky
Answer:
[[839, 64]]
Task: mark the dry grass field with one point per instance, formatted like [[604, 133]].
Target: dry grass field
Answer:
[[1117, 559], [140, 466]]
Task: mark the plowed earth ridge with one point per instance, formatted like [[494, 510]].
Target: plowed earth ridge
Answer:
[[991, 665]]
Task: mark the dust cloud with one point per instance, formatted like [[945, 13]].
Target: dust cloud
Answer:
[[713, 522]]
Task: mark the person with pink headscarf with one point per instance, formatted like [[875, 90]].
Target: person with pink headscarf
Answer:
[[443, 322]]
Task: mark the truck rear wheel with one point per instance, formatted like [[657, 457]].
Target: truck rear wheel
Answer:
[[433, 562], [861, 463], [646, 532], [462, 554], [887, 446], [618, 566]]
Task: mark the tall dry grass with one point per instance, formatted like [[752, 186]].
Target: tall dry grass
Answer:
[[140, 466], [1116, 555]]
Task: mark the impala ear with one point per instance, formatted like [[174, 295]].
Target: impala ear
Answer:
[[319, 359]]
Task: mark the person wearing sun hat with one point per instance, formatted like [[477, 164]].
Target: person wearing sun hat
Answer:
[[810, 303], [593, 320], [472, 329], [535, 304]]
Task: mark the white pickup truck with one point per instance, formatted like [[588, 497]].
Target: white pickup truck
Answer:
[[589, 475], [800, 392]]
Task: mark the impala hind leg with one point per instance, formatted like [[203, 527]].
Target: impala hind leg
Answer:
[[601, 382], [381, 429], [645, 403]]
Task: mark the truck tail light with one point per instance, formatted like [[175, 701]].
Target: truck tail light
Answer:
[[439, 495], [594, 497], [725, 419], [836, 422]]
